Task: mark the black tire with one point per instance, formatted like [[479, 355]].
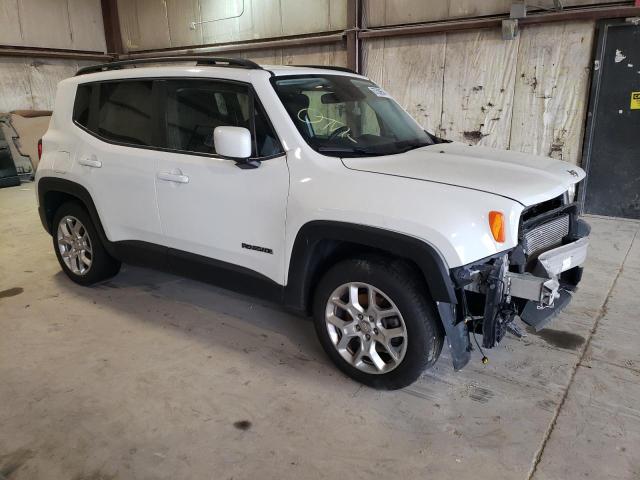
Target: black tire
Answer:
[[103, 265], [406, 289]]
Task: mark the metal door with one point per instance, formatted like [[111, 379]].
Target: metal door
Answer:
[[612, 141]]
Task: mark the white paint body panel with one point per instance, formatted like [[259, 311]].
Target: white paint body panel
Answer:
[[222, 206], [442, 199]]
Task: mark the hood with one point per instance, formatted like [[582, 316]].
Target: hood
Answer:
[[528, 179]]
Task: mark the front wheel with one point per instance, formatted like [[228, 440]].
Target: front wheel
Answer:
[[376, 322]]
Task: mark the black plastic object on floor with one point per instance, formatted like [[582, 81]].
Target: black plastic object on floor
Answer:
[[540, 318], [8, 173]]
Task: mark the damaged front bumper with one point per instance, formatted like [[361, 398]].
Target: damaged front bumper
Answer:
[[491, 293]]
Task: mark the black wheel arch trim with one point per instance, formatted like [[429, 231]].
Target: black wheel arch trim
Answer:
[[311, 236], [61, 185]]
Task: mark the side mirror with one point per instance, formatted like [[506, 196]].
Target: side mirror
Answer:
[[234, 143]]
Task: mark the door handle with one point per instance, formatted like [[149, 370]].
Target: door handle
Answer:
[[176, 177], [91, 161]]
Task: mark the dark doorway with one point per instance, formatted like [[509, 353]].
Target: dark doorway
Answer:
[[611, 154]]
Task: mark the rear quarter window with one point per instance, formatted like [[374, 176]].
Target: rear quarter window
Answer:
[[81, 105]]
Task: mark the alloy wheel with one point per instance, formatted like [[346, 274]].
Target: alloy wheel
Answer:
[[74, 245], [366, 327]]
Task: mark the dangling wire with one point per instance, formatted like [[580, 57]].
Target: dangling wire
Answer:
[[485, 359]]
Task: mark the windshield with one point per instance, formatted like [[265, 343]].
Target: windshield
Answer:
[[348, 116]]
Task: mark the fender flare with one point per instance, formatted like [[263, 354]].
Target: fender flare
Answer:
[[305, 252], [60, 185]]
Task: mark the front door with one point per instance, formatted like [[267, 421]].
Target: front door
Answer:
[[612, 143], [208, 206]]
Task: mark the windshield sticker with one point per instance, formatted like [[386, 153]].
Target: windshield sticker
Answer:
[[334, 127], [379, 92]]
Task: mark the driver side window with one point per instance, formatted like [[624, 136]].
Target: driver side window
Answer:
[[194, 108]]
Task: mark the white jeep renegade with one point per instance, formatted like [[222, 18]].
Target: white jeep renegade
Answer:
[[309, 186]]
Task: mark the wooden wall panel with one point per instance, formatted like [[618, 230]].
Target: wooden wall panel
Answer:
[[263, 57], [373, 13], [475, 8], [412, 11], [180, 14], [87, 29], [150, 24], [309, 55], [128, 15], [153, 24], [10, 23], [478, 87], [373, 53], [315, 55], [231, 22], [304, 17], [337, 14], [551, 89], [396, 63], [45, 23], [265, 15]]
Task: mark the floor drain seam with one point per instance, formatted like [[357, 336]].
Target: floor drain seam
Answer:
[[601, 313]]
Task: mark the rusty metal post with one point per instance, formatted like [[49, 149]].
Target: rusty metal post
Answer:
[[354, 23]]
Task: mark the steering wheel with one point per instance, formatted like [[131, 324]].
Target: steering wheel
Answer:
[[338, 131]]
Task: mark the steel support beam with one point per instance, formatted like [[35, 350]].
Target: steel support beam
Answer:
[[566, 15], [354, 24], [17, 51], [111, 23]]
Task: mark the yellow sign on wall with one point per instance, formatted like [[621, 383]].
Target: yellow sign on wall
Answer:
[[635, 100]]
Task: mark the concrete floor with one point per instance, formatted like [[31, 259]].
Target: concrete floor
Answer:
[[150, 376]]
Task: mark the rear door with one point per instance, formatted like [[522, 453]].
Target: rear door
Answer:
[[208, 206], [115, 158]]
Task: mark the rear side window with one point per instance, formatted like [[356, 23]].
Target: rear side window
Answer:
[[81, 105], [125, 112], [194, 108]]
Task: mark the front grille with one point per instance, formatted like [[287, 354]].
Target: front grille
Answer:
[[546, 235]]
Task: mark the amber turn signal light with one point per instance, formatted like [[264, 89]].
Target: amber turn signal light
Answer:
[[496, 223]]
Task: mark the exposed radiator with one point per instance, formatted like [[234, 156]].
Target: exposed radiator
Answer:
[[546, 236]]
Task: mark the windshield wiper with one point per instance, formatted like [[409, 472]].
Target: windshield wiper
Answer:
[[343, 150]]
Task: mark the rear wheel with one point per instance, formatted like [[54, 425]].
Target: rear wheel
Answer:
[[376, 322], [78, 247]]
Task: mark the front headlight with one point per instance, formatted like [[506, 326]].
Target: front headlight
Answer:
[[571, 192]]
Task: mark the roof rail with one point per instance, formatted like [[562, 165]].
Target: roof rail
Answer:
[[328, 67], [200, 60]]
